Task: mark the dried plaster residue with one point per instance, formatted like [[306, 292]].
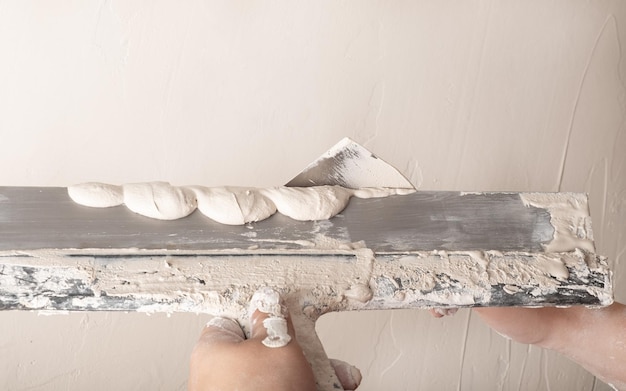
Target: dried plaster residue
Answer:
[[221, 284], [226, 205], [569, 215], [215, 282], [470, 278]]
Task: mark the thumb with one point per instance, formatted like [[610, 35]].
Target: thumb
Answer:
[[349, 376]]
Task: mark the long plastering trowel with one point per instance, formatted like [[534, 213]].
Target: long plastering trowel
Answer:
[[419, 250]]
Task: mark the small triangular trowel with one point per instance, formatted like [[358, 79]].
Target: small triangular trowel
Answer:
[[350, 165]]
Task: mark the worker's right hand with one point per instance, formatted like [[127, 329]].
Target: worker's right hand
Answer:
[[223, 359]]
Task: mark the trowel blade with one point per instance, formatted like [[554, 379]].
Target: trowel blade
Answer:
[[350, 165]]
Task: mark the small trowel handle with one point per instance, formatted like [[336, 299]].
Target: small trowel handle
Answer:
[[306, 336]]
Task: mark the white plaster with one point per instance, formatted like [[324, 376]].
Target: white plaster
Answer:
[[359, 292], [97, 195], [267, 300], [277, 335], [158, 200], [233, 206], [226, 205], [309, 203], [569, 215]]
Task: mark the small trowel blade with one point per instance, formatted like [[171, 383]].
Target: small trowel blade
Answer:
[[350, 165]]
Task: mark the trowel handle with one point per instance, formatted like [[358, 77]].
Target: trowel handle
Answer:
[[304, 325]]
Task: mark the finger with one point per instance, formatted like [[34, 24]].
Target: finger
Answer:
[[221, 330], [257, 329], [269, 323], [441, 312], [349, 376], [434, 313], [218, 332]]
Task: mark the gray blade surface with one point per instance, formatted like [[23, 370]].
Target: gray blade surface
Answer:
[[36, 218]]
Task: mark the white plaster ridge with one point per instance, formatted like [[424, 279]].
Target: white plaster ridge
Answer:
[[226, 205]]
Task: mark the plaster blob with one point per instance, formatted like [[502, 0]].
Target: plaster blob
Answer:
[[159, 200], [225, 205], [96, 195], [359, 292], [233, 205], [277, 335], [309, 203], [267, 300]]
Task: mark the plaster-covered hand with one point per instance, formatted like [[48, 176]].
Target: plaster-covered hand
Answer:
[[594, 338], [223, 359]]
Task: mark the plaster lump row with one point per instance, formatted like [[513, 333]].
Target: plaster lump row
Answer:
[[225, 205]]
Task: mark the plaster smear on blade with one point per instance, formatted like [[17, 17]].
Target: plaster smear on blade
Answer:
[[226, 205], [268, 301], [569, 215], [177, 285], [320, 242]]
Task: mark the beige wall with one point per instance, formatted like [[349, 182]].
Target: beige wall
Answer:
[[473, 95]]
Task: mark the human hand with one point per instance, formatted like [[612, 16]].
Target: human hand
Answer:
[[594, 338], [533, 326], [524, 325], [223, 359]]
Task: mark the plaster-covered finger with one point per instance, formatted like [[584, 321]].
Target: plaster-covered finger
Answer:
[[269, 319], [349, 376], [222, 330]]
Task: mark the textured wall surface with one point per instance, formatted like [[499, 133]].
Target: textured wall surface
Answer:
[[474, 95]]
